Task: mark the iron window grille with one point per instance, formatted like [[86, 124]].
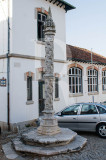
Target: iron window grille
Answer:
[[75, 80], [41, 22], [104, 80], [92, 80]]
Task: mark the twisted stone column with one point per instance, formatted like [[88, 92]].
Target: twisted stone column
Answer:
[[49, 124]]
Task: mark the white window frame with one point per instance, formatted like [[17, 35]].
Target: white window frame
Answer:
[[92, 80], [75, 80], [104, 80]]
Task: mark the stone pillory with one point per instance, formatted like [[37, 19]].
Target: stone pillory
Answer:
[[49, 125]]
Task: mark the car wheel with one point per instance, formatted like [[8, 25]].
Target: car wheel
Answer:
[[101, 130]]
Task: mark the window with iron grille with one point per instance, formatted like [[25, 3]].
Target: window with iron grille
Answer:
[[92, 80], [29, 88], [41, 21], [104, 80], [56, 87], [75, 80]]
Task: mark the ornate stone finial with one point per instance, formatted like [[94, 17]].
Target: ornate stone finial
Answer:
[[49, 21], [49, 13]]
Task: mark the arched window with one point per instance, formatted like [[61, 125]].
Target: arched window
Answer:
[[104, 80], [92, 80], [75, 80]]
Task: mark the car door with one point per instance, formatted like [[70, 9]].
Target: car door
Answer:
[[88, 117], [69, 117]]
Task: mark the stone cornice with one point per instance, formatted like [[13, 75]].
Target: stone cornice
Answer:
[[29, 57], [3, 56]]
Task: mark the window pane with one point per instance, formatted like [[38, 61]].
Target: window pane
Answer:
[[76, 80], [80, 81], [39, 30], [69, 80], [76, 88], [73, 89], [76, 71], [88, 109], [43, 36], [39, 16], [73, 71], [72, 110], [70, 89], [56, 88], [69, 71], [88, 88], [73, 81], [43, 18], [90, 72], [101, 110], [80, 88]]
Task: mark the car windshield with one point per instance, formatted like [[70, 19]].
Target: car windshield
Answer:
[[72, 110]]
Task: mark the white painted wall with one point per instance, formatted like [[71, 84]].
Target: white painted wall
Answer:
[[24, 28], [20, 111], [3, 27], [3, 91]]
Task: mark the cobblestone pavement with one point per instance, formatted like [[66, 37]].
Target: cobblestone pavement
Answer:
[[94, 150]]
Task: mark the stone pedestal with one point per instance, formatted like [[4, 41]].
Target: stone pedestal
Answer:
[[49, 124]]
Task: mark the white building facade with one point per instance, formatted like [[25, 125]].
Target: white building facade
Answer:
[[25, 48]]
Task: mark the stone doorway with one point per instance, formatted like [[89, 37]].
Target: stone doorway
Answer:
[[41, 96]]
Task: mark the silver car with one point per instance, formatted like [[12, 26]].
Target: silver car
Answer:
[[84, 117]]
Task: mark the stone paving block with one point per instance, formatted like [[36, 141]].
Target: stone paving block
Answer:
[[9, 151]]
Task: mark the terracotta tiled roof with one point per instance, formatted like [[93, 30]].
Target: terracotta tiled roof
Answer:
[[83, 55]]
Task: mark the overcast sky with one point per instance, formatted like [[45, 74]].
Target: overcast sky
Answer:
[[86, 25]]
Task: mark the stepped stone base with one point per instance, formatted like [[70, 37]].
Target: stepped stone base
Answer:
[[74, 146], [30, 142], [33, 138]]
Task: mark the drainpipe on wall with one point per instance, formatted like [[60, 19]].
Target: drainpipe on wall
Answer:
[[8, 72]]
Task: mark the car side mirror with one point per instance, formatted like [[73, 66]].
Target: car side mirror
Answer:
[[60, 114]]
